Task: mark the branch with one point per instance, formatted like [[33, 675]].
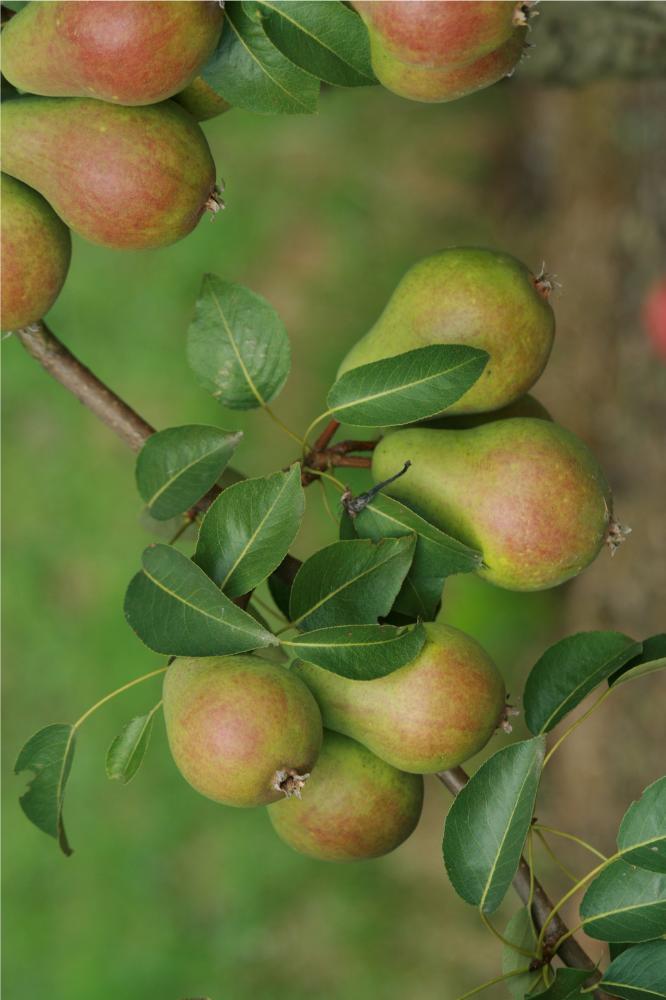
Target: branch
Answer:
[[570, 952]]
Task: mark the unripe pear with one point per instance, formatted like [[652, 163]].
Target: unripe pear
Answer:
[[526, 406], [124, 52], [36, 250], [126, 178], [438, 50], [467, 295], [432, 714], [526, 492], [243, 731], [354, 806], [201, 101]]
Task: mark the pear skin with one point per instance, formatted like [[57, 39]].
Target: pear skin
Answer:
[[36, 251], [242, 731], [201, 101], [468, 295], [130, 53], [439, 51], [126, 178], [526, 492], [354, 806], [432, 714]]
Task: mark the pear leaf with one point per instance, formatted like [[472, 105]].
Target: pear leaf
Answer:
[[567, 984], [247, 531], [125, 755], [237, 345], [519, 931], [651, 659], [638, 973], [249, 71], [624, 903], [359, 652], [568, 671], [176, 609], [49, 753], [323, 37], [642, 834], [436, 556], [350, 583], [177, 466], [407, 387], [488, 823]]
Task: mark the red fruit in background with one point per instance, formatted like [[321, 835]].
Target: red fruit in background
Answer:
[[438, 50], [654, 317], [126, 52]]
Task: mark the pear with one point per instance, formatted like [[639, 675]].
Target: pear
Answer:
[[526, 406], [124, 52], [434, 50], [242, 730], [432, 714], [201, 100], [354, 806], [469, 295], [526, 492], [36, 250], [126, 178]]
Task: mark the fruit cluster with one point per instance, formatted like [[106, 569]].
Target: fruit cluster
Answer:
[[493, 471], [104, 143]]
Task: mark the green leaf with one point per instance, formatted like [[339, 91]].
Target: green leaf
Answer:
[[237, 345], [568, 671], [519, 931], [350, 583], [281, 593], [176, 467], [248, 530], [624, 903], [638, 974], [489, 821], [651, 659], [406, 388], [437, 555], [126, 753], [250, 72], [324, 38], [567, 984], [49, 754], [360, 652], [642, 833], [176, 609]]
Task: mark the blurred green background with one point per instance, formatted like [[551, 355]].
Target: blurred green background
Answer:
[[170, 896]]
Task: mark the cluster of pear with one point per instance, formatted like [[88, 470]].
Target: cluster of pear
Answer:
[[440, 51], [247, 732], [95, 143], [494, 470]]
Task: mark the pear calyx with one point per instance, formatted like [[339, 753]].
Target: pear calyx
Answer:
[[289, 782]]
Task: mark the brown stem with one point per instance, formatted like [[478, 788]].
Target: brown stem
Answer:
[[326, 435], [68, 370], [570, 952], [343, 447]]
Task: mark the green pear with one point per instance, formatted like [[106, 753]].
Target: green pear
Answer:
[[243, 731], [435, 50], [123, 52], [526, 492], [126, 178], [36, 250], [354, 806], [432, 714], [526, 406], [201, 100], [468, 295]]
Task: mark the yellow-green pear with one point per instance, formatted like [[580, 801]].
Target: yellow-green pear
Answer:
[[354, 806], [430, 715], [527, 493], [243, 731], [467, 295]]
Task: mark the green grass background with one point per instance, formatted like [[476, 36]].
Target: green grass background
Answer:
[[169, 896]]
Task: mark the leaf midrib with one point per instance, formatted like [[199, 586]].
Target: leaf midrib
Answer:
[[293, 97], [401, 387], [194, 607], [185, 468], [253, 536]]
